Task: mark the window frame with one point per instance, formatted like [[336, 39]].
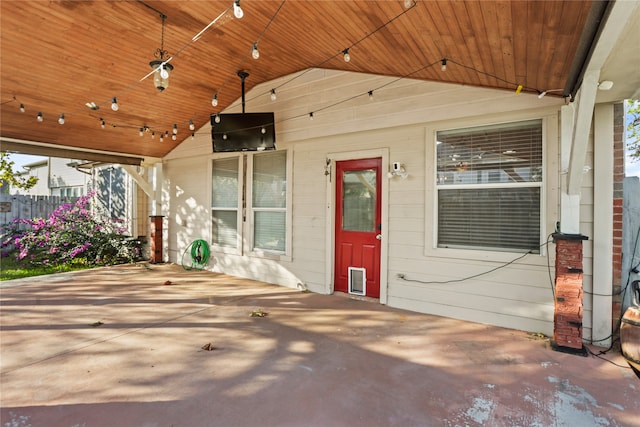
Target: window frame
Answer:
[[246, 221], [432, 188], [219, 248]]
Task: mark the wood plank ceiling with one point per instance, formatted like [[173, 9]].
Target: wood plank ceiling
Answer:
[[59, 55]]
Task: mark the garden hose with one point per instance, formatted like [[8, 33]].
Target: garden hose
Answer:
[[199, 251]]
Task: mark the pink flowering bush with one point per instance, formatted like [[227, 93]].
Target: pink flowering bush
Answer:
[[70, 233]]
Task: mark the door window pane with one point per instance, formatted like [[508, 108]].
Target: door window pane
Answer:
[[359, 200]]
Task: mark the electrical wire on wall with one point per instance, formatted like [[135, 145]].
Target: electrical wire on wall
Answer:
[[199, 253], [443, 282]]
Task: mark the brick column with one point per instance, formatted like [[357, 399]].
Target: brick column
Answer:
[[567, 326]]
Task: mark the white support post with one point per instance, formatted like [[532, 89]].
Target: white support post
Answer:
[[569, 204], [603, 217], [158, 181]]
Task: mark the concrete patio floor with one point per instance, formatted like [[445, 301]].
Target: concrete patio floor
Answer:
[[115, 346]]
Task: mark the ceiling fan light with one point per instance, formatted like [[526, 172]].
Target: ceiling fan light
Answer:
[[161, 73]]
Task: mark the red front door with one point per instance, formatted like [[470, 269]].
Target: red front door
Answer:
[[358, 227]]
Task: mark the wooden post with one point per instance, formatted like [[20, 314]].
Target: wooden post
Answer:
[[155, 234]]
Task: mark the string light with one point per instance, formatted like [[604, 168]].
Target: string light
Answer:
[[273, 95], [193, 135], [191, 125], [40, 118], [444, 64], [345, 55], [114, 104], [22, 108], [370, 95], [255, 53], [311, 115], [61, 119], [174, 137], [214, 100], [153, 135], [408, 3], [217, 118], [175, 129], [237, 10], [141, 131]]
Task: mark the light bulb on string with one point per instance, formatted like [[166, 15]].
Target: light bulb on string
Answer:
[[217, 118], [175, 129], [114, 104], [193, 135], [22, 108], [237, 10], [224, 136], [443, 67], [191, 125], [408, 3], [61, 119], [346, 56], [273, 95], [214, 100], [102, 123], [370, 95], [141, 131], [311, 115], [153, 135], [255, 53], [40, 118], [161, 138], [174, 137], [263, 130]]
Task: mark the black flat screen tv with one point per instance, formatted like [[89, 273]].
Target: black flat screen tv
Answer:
[[243, 132]]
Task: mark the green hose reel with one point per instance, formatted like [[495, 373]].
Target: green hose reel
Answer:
[[199, 253]]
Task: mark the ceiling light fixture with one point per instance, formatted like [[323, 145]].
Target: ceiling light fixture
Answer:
[[114, 104], [273, 95], [345, 55], [605, 85], [162, 68], [237, 10], [255, 53]]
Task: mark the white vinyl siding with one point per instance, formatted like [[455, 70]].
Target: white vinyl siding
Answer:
[[489, 181]]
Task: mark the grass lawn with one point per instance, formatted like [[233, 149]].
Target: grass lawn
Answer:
[[12, 269]]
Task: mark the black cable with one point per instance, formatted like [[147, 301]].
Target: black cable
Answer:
[[469, 277]]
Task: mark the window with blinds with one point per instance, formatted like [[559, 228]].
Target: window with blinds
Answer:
[[264, 188], [224, 206], [489, 183], [269, 201]]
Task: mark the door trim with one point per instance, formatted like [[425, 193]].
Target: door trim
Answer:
[[382, 153]]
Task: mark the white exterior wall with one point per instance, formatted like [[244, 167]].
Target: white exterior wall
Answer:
[[399, 125]]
